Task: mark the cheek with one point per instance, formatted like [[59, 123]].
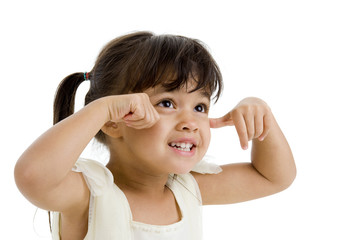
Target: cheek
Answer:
[[206, 133], [142, 136]]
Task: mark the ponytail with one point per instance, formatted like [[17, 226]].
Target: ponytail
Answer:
[[65, 96], [64, 101]]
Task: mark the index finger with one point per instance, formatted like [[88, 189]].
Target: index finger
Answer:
[[226, 120]]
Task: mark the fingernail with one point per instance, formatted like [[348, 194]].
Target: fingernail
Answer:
[[245, 147]]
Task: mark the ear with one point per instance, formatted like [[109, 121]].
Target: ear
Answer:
[[112, 129]]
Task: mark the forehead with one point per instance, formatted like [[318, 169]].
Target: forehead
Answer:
[[187, 88], [187, 81]]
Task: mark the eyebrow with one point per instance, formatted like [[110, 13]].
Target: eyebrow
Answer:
[[162, 90], [205, 94]]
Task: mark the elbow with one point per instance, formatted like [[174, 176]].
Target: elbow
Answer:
[[287, 175], [28, 179], [287, 180], [23, 177], [292, 175]]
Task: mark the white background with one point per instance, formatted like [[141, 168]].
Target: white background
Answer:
[[302, 57]]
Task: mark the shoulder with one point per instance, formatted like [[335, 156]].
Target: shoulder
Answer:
[[97, 176], [187, 186]]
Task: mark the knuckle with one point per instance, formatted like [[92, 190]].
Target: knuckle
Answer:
[[144, 96], [156, 117], [148, 119], [239, 110], [246, 108], [140, 96]]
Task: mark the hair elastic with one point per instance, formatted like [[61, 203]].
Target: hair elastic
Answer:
[[86, 76]]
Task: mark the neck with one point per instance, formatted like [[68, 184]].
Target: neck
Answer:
[[137, 179]]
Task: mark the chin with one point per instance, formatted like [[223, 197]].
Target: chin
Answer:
[[186, 168]]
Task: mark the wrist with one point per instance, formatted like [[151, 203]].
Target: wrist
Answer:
[[100, 106]]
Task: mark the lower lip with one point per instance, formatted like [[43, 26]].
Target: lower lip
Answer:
[[184, 153]]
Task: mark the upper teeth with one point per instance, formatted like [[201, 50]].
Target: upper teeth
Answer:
[[184, 146]]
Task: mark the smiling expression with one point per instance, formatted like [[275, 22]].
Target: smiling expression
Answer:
[[178, 140]]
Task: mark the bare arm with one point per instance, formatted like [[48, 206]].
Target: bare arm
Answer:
[[46, 165], [272, 167], [43, 172], [273, 158]]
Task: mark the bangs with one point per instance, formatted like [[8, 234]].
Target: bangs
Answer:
[[174, 62]]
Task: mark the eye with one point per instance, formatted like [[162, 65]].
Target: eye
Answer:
[[166, 104], [201, 108]]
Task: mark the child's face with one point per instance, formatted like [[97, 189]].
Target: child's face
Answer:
[[179, 139]]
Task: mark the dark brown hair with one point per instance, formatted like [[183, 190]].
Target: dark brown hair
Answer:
[[138, 61]]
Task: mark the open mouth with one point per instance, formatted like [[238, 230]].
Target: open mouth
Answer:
[[186, 147]]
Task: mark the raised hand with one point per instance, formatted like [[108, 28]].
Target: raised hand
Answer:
[[252, 118], [135, 110]]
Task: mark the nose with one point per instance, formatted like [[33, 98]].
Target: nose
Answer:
[[187, 122]]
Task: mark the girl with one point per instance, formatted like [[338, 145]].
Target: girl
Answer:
[[148, 102]]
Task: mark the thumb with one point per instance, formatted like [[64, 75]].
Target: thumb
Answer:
[[226, 120]]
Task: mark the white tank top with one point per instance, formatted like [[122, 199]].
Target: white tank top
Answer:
[[110, 215]]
